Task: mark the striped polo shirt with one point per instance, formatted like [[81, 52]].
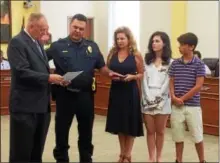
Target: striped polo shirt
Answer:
[[185, 75]]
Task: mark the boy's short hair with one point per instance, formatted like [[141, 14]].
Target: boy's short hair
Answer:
[[196, 52], [189, 39]]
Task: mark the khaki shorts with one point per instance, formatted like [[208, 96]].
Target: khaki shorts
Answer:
[[192, 116]]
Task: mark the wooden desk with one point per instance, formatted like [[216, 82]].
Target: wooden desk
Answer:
[[102, 94], [5, 82], [209, 102], [210, 105], [209, 99], [101, 97]]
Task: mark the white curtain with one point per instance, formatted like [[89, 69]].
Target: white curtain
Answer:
[[124, 13]]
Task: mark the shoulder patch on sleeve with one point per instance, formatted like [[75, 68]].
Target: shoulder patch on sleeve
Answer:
[[47, 46]]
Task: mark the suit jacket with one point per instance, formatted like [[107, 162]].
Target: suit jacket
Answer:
[[30, 91]]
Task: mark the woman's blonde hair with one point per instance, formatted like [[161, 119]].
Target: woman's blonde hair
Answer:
[[131, 42]]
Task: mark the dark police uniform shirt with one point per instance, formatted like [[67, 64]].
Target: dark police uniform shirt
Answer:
[[69, 56]]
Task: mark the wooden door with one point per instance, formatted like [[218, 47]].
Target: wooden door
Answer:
[[89, 31]]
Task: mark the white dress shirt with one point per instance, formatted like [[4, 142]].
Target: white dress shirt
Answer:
[[5, 65]]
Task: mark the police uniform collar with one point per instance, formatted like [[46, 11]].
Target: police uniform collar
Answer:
[[83, 42]]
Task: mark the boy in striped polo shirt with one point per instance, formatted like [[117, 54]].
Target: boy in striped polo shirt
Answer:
[[186, 79]]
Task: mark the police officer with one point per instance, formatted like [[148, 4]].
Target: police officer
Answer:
[[75, 53]]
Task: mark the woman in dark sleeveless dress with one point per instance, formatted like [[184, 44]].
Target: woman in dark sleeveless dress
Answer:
[[124, 116]]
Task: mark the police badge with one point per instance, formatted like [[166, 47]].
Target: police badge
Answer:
[[89, 49]]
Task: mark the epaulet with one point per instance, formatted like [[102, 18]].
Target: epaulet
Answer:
[[89, 41]]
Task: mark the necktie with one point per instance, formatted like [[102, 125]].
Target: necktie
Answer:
[[39, 49]]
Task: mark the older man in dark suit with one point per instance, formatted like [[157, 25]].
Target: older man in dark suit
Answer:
[[30, 92]]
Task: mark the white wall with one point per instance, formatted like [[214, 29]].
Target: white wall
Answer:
[[56, 13], [101, 25], [202, 19], [153, 16]]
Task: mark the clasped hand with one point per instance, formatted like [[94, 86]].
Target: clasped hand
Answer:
[[117, 76], [178, 101]]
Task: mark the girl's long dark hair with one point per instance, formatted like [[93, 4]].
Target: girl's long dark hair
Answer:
[[167, 52]]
